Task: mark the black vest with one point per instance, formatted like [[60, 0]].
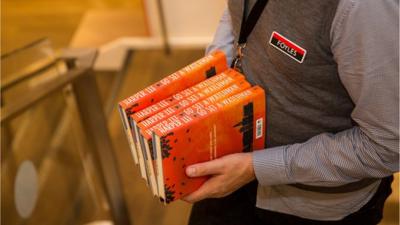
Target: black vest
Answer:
[[303, 99]]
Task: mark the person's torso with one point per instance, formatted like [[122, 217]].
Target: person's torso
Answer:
[[305, 96], [303, 99]]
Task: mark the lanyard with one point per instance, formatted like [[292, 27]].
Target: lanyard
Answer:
[[246, 28]]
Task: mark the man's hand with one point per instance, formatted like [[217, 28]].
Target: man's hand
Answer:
[[228, 174]]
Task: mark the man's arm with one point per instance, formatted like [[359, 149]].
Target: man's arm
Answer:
[[365, 46], [223, 38]]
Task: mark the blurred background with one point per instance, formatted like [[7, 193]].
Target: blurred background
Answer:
[[65, 64]]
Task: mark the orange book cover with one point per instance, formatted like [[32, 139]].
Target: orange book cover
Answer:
[[194, 73], [202, 133], [219, 90], [144, 139]]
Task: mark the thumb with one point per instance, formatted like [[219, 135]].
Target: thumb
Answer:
[[206, 168]]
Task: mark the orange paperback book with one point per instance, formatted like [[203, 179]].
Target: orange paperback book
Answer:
[[190, 75], [203, 132], [145, 140], [192, 94]]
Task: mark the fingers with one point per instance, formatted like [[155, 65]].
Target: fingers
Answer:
[[226, 175], [207, 190], [207, 168], [196, 196], [213, 167]]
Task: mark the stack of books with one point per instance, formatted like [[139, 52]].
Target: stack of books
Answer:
[[199, 113]]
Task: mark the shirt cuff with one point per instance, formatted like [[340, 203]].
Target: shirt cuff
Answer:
[[270, 167]]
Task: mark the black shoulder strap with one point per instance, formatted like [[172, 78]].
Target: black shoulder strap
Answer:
[[246, 28], [248, 24]]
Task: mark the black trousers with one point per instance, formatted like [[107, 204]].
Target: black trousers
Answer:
[[239, 209]]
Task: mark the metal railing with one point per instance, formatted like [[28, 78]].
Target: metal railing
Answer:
[[80, 78]]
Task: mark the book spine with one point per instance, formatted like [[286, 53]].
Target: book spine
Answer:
[[197, 112], [146, 112], [211, 94], [126, 126], [151, 110], [139, 151], [150, 169], [192, 74], [159, 106]]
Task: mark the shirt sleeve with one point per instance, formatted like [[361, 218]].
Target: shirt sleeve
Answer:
[[365, 45], [224, 37]]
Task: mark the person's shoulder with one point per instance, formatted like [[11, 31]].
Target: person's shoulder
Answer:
[[368, 2], [372, 5], [365, 12], [361, 23]]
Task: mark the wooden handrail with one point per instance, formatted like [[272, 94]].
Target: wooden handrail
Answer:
[[23, 48], [34, 95], [9, 82], [85, 58]]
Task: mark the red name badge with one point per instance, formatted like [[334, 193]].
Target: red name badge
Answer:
[[288, 47]]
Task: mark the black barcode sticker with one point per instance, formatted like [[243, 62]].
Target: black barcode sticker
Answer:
[[259, 128]]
